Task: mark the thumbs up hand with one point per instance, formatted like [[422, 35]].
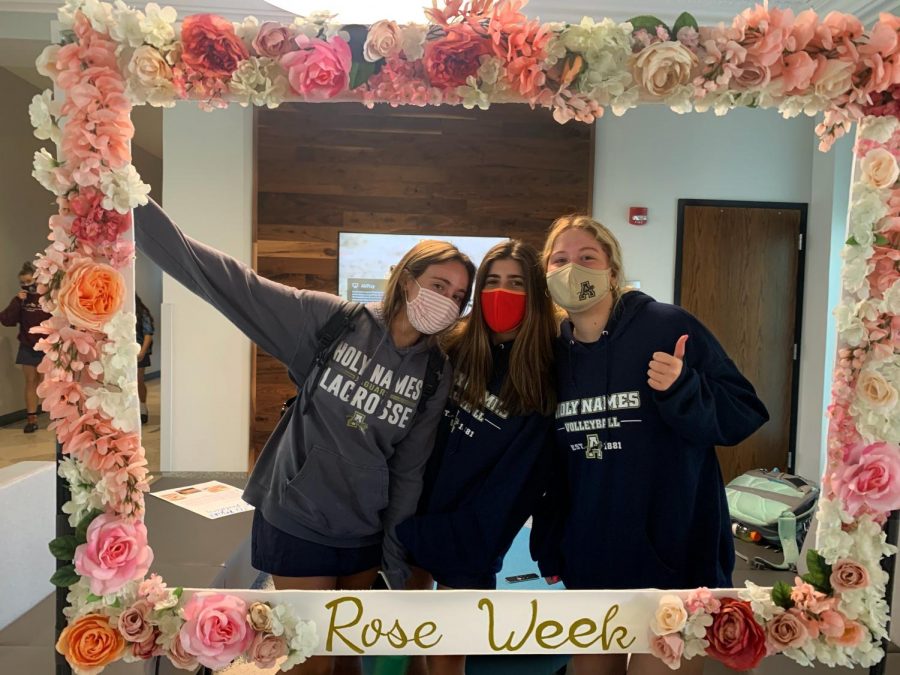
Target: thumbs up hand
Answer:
[[665, 368]]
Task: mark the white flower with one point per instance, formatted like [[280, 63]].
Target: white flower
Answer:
[[97, 12], [681, 100], [606, 47], [126, 27], [866, 209], [46, 62], [49, 173], [119, 406], [491, 69], [150, 78], [878, 129], [760, 600], [890, 304], [850, 327], [856, 269], [472, 96], [301, 636], [874, 408], [259, 81], [158, 25], [247, 30], [412, 41], [81, 482], [42, 111], [123, 189]]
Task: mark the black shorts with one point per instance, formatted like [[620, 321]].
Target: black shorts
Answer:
[[26, 356], [144, 362], [467, 582], [276, 552]]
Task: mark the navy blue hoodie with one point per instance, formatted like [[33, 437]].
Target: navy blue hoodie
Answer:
[[637, 498], [483, 480]]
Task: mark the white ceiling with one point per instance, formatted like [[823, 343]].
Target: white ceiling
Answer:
[[25, 28]]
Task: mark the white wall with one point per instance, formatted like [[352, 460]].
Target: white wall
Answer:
[[205, 392], [25, 208], [652, 157]]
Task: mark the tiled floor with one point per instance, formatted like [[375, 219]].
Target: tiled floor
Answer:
[[16, 446]]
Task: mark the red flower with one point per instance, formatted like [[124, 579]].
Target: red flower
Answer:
[[210, 45], [735, 638], [452, 59]]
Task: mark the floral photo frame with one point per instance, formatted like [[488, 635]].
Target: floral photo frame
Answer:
[[474, 53]]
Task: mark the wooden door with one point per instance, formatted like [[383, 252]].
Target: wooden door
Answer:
[[739, 271]]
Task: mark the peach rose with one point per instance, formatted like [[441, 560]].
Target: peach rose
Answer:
[[880, 168], [663, 67], [260, 617], [134, 622], [670, 615], [876, 390], [668, 649], [148, 67], [91, 293], [786, 631], [832, 77], [848, 575], [90, 643], [853, 634], [274, 40], [382, 42], [266, 649]]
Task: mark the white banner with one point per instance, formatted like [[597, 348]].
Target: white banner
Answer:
[[474, 622]]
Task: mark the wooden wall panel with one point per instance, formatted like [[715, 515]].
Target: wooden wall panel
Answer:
[[326, 168]]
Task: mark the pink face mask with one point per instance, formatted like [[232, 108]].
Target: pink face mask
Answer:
[[430, 312]]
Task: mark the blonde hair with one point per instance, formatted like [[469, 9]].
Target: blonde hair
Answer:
[[416, 260], [604, 237]]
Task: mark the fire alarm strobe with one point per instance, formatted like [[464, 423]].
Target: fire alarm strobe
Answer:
[[637, 215]]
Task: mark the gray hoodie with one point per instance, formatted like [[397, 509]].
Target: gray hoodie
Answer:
[[349, 469]]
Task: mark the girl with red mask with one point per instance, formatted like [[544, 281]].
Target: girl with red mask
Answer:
[[493, 445]]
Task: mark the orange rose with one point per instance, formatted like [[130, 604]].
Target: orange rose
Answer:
[[90, 643], [90, 294]]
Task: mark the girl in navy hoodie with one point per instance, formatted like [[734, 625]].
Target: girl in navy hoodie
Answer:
[[493, 447], [645, 393]]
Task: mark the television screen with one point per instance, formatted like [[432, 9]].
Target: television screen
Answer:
[[365, 260]]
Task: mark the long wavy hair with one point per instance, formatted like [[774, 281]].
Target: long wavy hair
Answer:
[[525, 389]]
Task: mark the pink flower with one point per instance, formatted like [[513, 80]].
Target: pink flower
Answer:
[[667, 648], [148, 648], [180, 657], [765, 31], [215, 628], [115, 553], [869, 480], [93, 224], [154, 590], [274, 40], [319, 69], [702, 600], [807, 598], [831, 623], [134, 622], [810, 623], [266, 649], [854, 633], [799, 69], [786, 631]]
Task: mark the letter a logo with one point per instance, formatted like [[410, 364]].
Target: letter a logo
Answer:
[[587, 291]]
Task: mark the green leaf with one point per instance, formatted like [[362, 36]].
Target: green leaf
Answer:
[[684, 19], [852, 242], [819, 575], [81, 529], [177, 592], [63, 548], [361, 71], [648, 23], [881, 240], [781, 595], [65, 577], [93, 598]]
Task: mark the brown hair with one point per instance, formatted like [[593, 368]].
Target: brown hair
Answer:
[[604, 237], [27, 268], [418, 259], [525, 389]]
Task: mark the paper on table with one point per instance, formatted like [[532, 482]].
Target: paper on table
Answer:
[[211, 499]]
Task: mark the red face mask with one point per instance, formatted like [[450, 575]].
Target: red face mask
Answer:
[[503, 310]]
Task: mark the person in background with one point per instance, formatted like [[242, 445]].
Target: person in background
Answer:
[[24, 311], [144, 332]]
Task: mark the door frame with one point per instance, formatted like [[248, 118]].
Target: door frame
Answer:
[[803, 244]]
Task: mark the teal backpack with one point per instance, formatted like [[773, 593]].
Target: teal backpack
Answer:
[[779, 506]]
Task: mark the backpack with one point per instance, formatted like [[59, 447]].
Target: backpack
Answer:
[[327, 337], [779, 506]]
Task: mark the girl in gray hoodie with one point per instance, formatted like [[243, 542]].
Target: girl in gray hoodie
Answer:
[[344, 465]]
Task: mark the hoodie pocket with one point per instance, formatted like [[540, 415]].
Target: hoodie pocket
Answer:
[[336, 497]]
